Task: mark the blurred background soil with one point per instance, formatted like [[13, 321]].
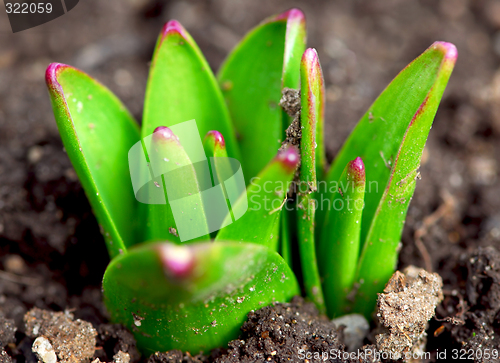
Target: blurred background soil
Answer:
[[46, 220]]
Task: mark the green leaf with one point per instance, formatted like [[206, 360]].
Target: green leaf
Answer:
[[286, 250], [193, 297], [251, 80], [312, 101], [173, 207], [338, 250], [182, 87], [390, 139], [97, 132], [264, 199], [226, 174]]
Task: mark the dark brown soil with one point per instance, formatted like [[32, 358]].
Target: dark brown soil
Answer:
[[52, 255]]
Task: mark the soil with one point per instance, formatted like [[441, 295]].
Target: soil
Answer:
[[52, 255]]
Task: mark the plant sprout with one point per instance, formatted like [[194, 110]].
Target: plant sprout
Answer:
[[345, 221]]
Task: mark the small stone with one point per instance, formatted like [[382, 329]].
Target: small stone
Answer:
[[35, 153], [356, 329], [15, 264], [44, 350], [4, 357], [121, 357]]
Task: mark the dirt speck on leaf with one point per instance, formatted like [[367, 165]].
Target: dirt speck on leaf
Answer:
[[290, 102]]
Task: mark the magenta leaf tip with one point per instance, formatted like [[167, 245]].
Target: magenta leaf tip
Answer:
[[289, 158], [177, 261], [356, 170], [173, 27], [52, 73], [217, 137], [293, 14], [449, 50], [163, 134]]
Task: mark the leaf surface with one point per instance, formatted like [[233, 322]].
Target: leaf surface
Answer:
[[182, 87], [311, 117], [172, 201], [251, 80], [97, 133], [263, 202], [339, 245], [390, 139], [193, 297]]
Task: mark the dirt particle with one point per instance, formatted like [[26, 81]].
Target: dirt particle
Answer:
[[137, 319], [7, 331], [121, 357], [44, 350], [269, 333], [407, 304], [173, 231], [115, 338], [290, 101], [73, 341]]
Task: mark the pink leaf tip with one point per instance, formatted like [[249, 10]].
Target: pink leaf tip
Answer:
[[51, 75], [356, 170], [217, 137], [289, 158], [449, 50], [173, 27], [163, 134], [294, 14], [310, 56], [177, 261]]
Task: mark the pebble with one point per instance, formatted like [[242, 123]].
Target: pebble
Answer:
[[356, 329], [44, 350]]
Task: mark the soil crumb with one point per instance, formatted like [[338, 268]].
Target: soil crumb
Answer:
[[479, 333], [114, 338], [119, 357], [73, 341], [404, 309], [290, 102], [290, 332], [7, 331], [177, 356]]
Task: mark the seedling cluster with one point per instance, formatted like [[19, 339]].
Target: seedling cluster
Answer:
[[344, 222]]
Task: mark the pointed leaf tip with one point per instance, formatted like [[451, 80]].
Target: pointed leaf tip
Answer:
[[356, 170], [177, 261], [52, 74], [217, 138], [310, 56], [310, 61], [449, 50], [173, 27], [163, 134], [293, 14], [289, 158]]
